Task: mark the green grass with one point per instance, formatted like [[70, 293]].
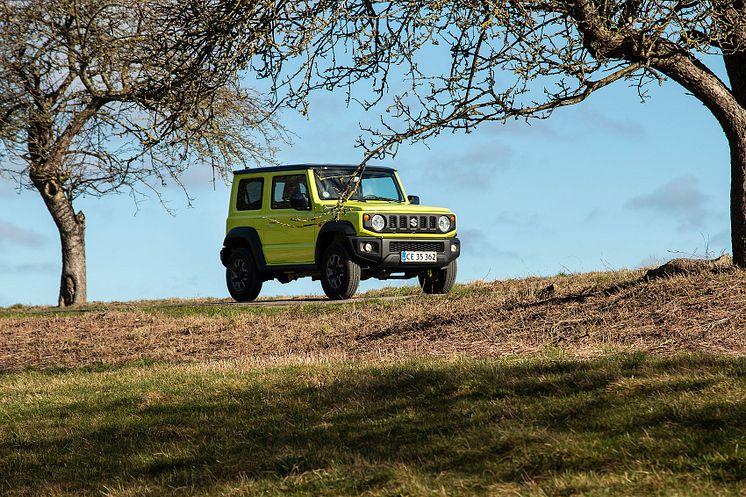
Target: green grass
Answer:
[[178, 309], [228, 309], [187, 308], [618, 425]]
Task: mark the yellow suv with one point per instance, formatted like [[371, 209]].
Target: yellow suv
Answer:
[[287, 222]]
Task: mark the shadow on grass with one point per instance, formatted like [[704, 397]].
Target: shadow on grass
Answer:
[[466, 424]]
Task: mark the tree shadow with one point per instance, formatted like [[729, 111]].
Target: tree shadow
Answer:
[[485, 422]]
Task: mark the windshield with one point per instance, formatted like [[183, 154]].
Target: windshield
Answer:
[[374, 185]]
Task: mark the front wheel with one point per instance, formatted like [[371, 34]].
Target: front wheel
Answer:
[[242, 277], [340, 275], [438, 280]]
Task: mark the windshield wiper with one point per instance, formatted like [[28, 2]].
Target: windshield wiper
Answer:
[[376, 197]]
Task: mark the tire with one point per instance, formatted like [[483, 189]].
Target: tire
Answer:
[[242, 276], [340, 275], [439, 280]]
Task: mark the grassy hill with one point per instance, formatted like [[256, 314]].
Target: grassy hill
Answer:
[[579, 315], [595, 384]]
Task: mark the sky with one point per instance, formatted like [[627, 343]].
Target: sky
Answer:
[[608, 184]]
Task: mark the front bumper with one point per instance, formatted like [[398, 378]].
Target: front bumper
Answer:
[[386, 252]]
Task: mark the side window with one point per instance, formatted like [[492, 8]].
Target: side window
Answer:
[[249, 195], [284, 187]]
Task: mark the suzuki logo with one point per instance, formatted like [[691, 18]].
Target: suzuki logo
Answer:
[[413, 222]]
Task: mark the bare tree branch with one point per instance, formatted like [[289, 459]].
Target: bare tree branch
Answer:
[[97, 98]]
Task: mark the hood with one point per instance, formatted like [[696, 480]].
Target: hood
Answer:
[[394, 207]]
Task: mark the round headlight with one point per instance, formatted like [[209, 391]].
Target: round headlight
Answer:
[[378, 222], [444, 224]]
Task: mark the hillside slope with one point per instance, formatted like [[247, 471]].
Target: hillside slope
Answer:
[[580, 315]]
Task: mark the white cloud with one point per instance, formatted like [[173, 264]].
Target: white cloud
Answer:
[[680, 198], [518, 219], [602, 122], [477, 245], [469, 168], [28, 268], [594, 215], [13, 234]]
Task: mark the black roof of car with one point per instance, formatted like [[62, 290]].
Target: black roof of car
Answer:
[[295, 167]]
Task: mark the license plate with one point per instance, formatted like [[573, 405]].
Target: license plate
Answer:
[[419, 257]]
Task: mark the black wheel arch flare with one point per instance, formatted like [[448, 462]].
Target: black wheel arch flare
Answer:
[[243, 237], [331, 231]]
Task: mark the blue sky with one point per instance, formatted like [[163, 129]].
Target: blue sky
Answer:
[[607, 184]]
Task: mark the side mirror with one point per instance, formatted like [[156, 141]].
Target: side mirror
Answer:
[[299, 202], [413, 199]]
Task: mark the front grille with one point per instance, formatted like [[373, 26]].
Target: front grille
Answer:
[[406, 223], [417, 246], [411, 224]]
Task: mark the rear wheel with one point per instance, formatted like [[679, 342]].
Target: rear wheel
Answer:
[[340, 275], [438, 280], [242, 276]]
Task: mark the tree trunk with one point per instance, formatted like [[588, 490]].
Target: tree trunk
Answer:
[[737, 141], [73, 279], [728, 105], [71, 227], [735, 64]]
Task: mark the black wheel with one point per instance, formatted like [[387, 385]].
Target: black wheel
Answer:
[[242, 277], [340, 275], [438, 280]]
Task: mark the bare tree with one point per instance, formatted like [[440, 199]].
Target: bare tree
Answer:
[[467, 62], [123, 95]]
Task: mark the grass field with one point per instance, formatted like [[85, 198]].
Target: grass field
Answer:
[[598, 384], [622, 425]]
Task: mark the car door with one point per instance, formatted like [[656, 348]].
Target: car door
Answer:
[[288, 234], [249, 208]]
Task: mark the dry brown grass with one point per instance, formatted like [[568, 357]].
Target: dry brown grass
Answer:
[[579, 315]]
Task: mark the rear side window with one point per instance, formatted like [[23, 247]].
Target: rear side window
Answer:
[[249, 197], [284, 187]]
